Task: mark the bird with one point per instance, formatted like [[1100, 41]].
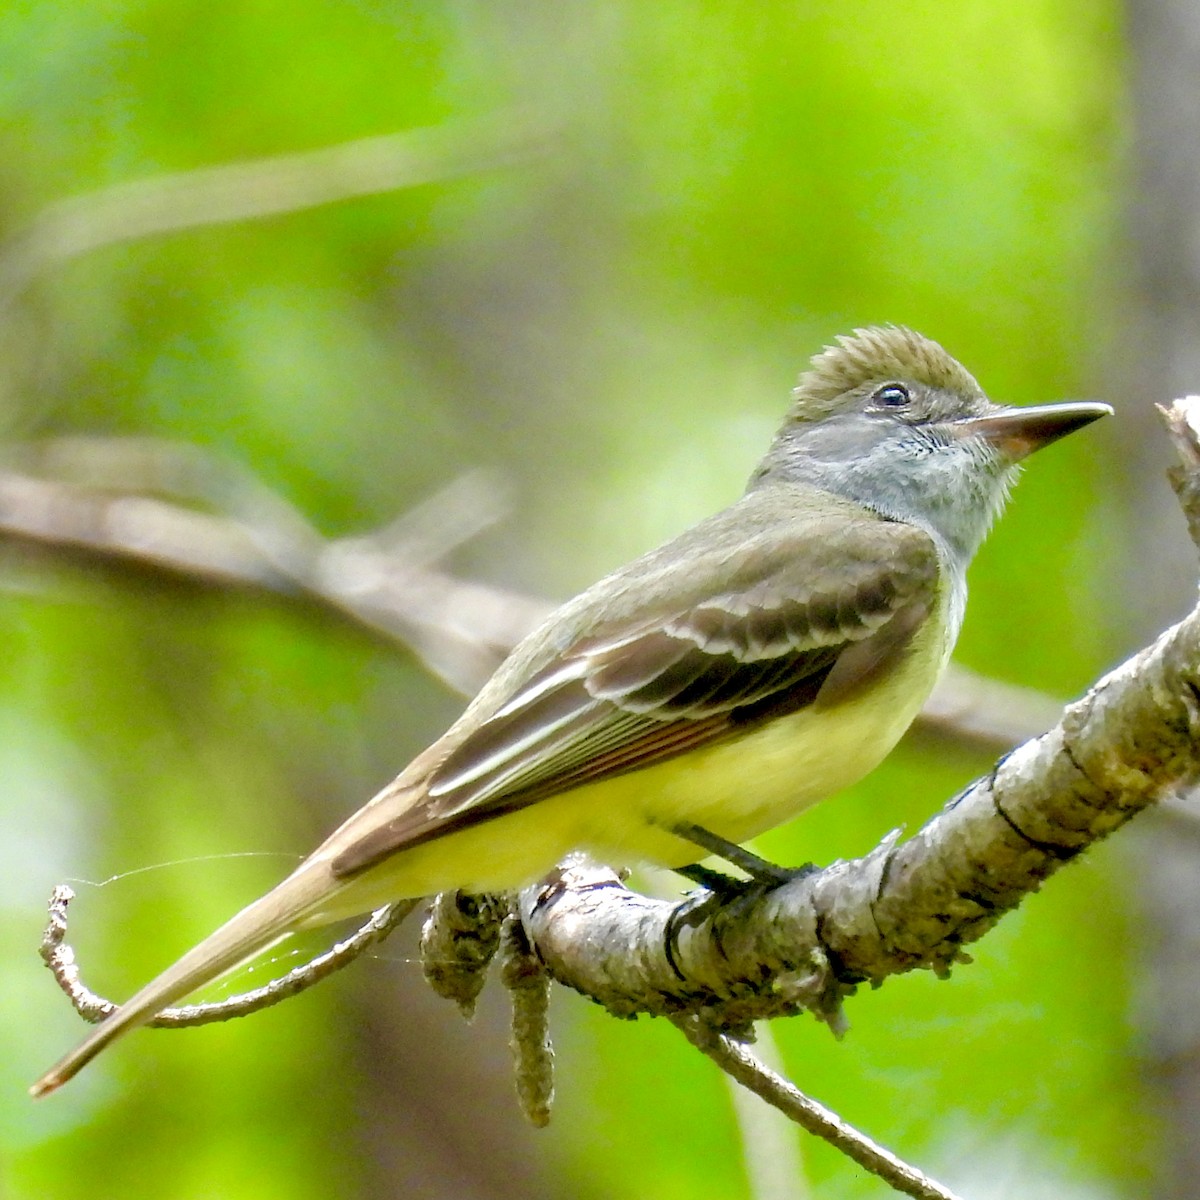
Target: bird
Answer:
[[759, 662]]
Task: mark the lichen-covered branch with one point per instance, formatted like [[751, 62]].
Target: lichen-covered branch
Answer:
[[1132, 740]]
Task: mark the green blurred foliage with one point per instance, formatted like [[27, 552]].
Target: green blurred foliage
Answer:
[[613, 322]]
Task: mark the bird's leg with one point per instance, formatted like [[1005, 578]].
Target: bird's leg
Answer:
[[759, 870], [710, 879]]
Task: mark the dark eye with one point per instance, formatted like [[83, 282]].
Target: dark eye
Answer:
[[891, 395]]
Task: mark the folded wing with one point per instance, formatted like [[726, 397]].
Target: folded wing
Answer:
[[654, 684]]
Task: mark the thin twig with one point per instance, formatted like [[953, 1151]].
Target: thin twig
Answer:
[[734, 1059], [60, 958], [771, 1144]]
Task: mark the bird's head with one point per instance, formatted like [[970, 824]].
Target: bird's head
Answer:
[[887, 418]]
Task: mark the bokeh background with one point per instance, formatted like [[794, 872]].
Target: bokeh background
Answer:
[[650, 216]]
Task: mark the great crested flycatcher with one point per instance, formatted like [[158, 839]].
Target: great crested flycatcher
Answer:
[[759, 662]]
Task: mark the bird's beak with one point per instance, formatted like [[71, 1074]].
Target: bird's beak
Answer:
[[1018, 432]]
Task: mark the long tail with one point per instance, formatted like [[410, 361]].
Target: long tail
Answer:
[[253, 929]]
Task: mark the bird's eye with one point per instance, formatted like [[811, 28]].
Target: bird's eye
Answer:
[[891, 395]]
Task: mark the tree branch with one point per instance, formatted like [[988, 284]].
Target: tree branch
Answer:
[[1182, 419], [1128, 743], [248, 537]]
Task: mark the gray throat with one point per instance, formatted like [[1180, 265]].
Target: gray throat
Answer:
[[952, 489]]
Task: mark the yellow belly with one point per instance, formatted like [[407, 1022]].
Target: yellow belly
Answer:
[[736, 788]]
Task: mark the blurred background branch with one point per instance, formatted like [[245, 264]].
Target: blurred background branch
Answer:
[[95, 499], [388, 582], [265, 187]]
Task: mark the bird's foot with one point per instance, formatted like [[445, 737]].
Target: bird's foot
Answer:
[[717, 890]]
